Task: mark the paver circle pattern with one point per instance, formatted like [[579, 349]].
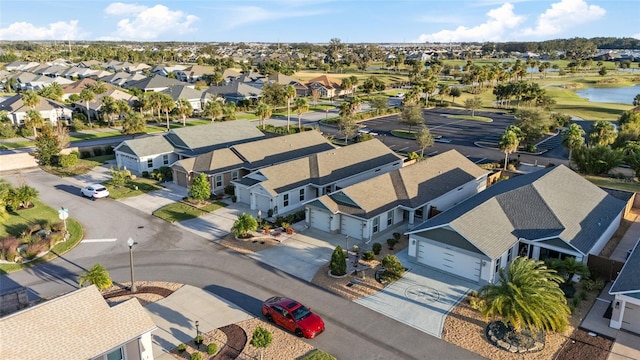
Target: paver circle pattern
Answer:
[[423, 294]]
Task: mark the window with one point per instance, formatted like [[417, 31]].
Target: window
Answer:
[[498, 264], [390, 218], [150, 163], [165, 159], [115, 355], [234, 175], [218, 180], [376, 224], [419, 213], [286, 199], [301, 194], [509, 256]]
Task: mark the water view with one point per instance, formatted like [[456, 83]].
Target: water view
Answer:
[[620, 95]]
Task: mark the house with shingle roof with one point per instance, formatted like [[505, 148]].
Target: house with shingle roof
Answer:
[[626, 289], [235, 92], [414, 192], [95, 106], [76, 87], [301, 89], [230, 164], [328, 87], [79, 325], [550, 213], [192, 73], [287, 186], [155, 83], [154, 151], [49, 109], [186, 92]]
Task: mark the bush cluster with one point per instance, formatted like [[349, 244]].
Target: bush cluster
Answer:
[[377, 247]]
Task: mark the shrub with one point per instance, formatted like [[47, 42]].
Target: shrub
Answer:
[[8, 131], [285, 225], [391, 242], [212, 349], [377, 247], [66, 161], [270, 213], [338, 263], [26, 131], [97, 151], [77, 124], [229, 190], [393, 267], [32, 228], [195, 356], [59, 226], [278, 221], [85, 154], [198, 339], [582, 295], [234, 198], [182, 347], [145, 174], [108, 150], [575, 302], [36, 248], [397, 235], [368, 255]]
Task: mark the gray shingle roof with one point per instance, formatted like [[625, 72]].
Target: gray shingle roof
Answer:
[[628, 281], [550, 202], [146, 146], [195, 140], [78, 325], [154, 82], [182, 92]]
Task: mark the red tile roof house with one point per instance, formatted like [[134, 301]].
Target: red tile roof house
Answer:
[[78, 325]]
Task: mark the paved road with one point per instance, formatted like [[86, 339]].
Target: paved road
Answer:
[[169, 253]]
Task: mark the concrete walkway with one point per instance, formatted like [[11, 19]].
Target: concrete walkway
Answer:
[[176, 315]]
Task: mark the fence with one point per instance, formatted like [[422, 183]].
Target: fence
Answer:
[[603, 267]]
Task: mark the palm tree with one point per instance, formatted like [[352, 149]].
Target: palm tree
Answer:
[[184, 109], [302, 105], [123, 107], [528, 295], [34, 119], [213, 108], [99, 88], [133, 124], [509, 142], [87, 96], [573, 137], [602, 133], [290, 93], [636, 100], [263, 111], [167, 104], [97, 275], [243, 225], [108, 107], [154, 101]]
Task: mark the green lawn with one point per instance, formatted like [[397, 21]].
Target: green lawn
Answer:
[[40, 213], [469, 117], [180, 211], [618, 184], [16, 145], [95, 135], [318, 354], [405, 134], [135, 187]]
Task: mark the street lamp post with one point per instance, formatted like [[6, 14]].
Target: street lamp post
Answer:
[[197, 341], [130, 242], [63, 214]]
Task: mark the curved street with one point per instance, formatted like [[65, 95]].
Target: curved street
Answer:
[[166, 252]]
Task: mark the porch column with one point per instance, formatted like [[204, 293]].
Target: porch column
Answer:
[[252, 198], [617, 314], [412, 216], [535, 252]]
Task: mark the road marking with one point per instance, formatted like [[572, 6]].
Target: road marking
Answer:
[[98, 240]]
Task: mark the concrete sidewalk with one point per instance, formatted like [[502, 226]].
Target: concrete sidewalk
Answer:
[[176, 315]]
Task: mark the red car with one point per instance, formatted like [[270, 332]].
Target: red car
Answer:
[[292, 316]]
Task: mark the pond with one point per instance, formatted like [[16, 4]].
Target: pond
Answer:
[[620, 95]]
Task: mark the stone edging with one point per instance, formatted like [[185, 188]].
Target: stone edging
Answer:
[[337, 276]]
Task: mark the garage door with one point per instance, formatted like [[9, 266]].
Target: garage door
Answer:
[[350, 226], [181, 178], [262, 203], [631, 320], [129, 163], [320, 220], [449, 260]]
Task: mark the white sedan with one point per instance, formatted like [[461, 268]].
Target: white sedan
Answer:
[[95, 191]]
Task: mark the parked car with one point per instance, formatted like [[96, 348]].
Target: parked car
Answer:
[[292, 316], [95, 191]]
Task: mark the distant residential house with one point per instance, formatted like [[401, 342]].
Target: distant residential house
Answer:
[[42, 81], [95, 106], [88, 63], [185, 92], [165, 70], [52, 71], [116, 66], [328, 87], [229, 164], [550, 213], [156, 83], [229, 76], [235, 92], [626, 289], [301, 89], [137, 68], [402, 196], [254, 79], [121, 78], [287, 186], [48, 109], [155, 151], [192, 73], [79, 325], [21, 65], [75, 88]]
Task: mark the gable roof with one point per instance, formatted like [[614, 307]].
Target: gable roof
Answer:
[[77, 86], [15, 104], [554, 202], [146, 146], [195, 140], [182, 92], [283, 79], [628, 280], [236, 89], [154, 82], [410, 186], [328, 166], [327, 82], [78, 325], [116, 94]]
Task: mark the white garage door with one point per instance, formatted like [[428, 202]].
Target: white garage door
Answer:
[[129, 163], [631, 320], [449, 260], [244, 196], [320, 220], [350, 226], [262, 203]]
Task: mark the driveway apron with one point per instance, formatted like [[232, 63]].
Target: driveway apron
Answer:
[[422, 298]]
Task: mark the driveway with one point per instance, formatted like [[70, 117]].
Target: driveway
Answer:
[[422, 298]]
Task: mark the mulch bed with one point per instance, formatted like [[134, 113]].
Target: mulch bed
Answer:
[[581, 345], [236, 341], [145, 289]]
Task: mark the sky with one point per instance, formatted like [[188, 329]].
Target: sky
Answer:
[[318, 21]]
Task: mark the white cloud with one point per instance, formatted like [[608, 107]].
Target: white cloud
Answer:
[[563, 15], [636, 36], [500, 20], [147, 23], [60, 30], [243, 15]]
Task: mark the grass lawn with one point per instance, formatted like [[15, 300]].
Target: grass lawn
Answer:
[[181, 211], [469, 117], [96, 135], [405, 134], [618, 184], [82, 167], [318, 354], [16, 145], [135, 187], [40, 213]]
